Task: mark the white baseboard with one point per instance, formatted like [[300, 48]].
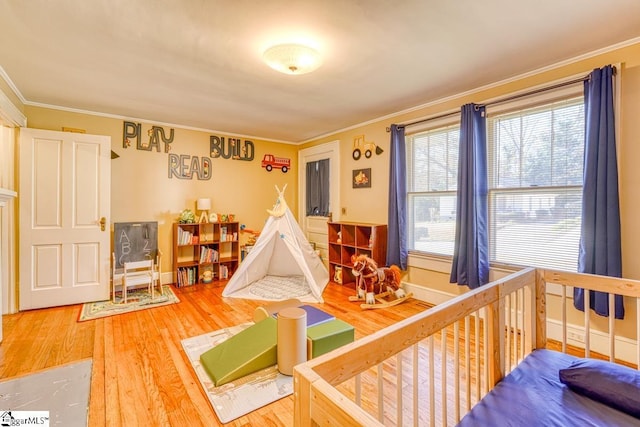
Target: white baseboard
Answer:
[[625, 348], [430, 296], [166, 277]]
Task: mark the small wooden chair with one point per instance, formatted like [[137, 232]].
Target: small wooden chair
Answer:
[[138, 273], [117, 278]]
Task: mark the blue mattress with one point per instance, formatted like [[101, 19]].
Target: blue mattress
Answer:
[[532, 395]]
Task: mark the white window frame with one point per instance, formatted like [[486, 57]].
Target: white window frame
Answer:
[[543, 98], [539, 100], [449, 120]]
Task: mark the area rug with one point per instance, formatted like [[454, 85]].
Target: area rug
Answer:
[[60, 395], [244, 395], [137, 299], [277, 288]]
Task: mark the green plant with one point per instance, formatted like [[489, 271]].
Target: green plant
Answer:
[[187, 217]]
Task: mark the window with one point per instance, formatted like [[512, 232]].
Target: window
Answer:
[[535, 168], [432, 163], [317, 203], [535, 185]]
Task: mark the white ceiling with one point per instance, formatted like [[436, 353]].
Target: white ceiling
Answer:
[[197, 63]]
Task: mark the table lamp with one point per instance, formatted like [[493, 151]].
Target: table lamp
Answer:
[[203, 205]]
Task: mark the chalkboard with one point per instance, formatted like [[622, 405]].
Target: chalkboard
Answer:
[[135, 241]]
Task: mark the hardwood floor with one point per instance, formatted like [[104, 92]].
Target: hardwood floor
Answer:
[[141, 375]]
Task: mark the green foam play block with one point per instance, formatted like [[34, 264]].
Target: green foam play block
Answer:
[[250, 350], [328, 336]]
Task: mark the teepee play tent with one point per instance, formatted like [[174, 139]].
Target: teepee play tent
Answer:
[[282, 263]]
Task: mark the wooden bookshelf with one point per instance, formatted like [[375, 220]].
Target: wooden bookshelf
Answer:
[[349, 238], [205, 247]]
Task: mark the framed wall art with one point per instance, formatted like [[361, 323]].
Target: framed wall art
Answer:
[[361, 178]]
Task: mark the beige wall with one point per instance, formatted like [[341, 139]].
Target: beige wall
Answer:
[[141, 189], [628, 159], [362, 204]]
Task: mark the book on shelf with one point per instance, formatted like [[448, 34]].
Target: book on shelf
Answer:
[[185, 237], [186, 276], [179, 277], [208, 255]]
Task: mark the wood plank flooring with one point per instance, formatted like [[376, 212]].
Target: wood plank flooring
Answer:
[[141, 375]]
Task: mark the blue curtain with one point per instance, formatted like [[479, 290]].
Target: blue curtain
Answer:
[[600, 251], [397, 222], [471, 248]]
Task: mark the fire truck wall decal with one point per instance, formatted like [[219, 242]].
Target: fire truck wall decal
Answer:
[[360, 146], [270, 162]]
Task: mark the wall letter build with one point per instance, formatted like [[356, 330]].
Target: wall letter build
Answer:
[[231, 149]]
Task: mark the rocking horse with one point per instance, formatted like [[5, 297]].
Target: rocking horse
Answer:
[[374, 285]]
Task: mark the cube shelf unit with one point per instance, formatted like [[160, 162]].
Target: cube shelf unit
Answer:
[[202, 247], [349, 238]]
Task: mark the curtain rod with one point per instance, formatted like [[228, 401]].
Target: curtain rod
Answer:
[[506, 99], [441, 116]]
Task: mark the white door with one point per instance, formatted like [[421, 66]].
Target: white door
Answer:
[[315, 227], [64, 206]]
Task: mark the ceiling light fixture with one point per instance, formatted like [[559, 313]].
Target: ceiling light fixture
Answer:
[[292, 58]]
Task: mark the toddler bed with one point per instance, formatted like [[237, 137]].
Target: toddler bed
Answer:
[[533, 394], [480, 359]]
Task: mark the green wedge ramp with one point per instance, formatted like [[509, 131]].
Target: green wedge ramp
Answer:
[[250, 350]]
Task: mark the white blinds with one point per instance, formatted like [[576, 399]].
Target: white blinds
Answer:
[[432, 183], [535, 184]]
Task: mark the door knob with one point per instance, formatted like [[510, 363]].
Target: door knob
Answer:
[[103, 223]]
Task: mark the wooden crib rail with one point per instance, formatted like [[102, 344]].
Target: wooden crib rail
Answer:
[[612, 285], [315, 381], [492, 329]]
